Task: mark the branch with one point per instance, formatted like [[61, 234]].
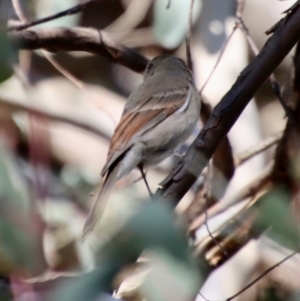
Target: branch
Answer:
[[286, 166], [263, 274], [241, 229], [189, 60], [68, 12], [271, 80], [223, 167], [86, 125], [251, 190], [255, 150], [62, 39], [230, 107], [238, 14]]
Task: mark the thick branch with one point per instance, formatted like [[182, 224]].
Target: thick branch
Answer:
[[79, 39], [231, 106]]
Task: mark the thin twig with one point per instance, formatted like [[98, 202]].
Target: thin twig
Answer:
[[238, 14], [200, 294], [250, 190], [207, 195], [218, 60], [288, 12], [188, 38], [168, 5], [240, 8], [263, 274], [271, 80], [276, 90], [78, 83], [233, 234], [69, 119], [260, 147], [56, 65], [68, 12]]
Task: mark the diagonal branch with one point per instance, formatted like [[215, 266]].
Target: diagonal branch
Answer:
[[264, 274], [79, 39], [68, 12], [230, 107], [16, 106], [257, 149]]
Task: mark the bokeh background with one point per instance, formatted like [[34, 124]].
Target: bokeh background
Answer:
[[50, 170]]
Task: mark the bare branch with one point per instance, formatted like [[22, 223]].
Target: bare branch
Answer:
[[63, 39], [250, 190], [263, 275], [238, 14], [79, 84], [207, 196], [169, 4], [15, 106], [260, 147], [290, 11], [223, 164], [241, 231], [288, 151], [188, 38], [240, 8], [271, 80], [230, 107], [218, 60]]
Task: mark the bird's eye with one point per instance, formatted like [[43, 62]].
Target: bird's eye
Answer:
[[149, 67]]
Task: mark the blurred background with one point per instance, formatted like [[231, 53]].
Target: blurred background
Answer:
[[50, 168]]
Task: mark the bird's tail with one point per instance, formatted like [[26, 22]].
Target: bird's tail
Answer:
[[97, 210]]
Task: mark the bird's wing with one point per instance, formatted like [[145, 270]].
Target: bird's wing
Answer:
[[145, 114]]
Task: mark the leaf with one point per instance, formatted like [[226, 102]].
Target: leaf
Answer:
[[6, 56], [15, 248], [151, 228], [274, 211], [169, 279]]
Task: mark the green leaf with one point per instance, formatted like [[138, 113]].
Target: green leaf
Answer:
[[6, 56], [151, 228], [275, 212], [15, 248]]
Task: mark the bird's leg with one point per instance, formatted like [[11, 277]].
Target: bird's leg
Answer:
[[145, 180]]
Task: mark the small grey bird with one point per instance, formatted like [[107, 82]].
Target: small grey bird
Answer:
[[158, 116]]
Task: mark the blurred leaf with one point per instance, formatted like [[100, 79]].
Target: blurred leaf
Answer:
[[152, 228], [6, 55], [5, 290], [12, 186], [271, 294], [15, 250], [295, 296], [275, 212], [169, 279], [171, 24]]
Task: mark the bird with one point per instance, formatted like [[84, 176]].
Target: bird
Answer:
[[158, 116]]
